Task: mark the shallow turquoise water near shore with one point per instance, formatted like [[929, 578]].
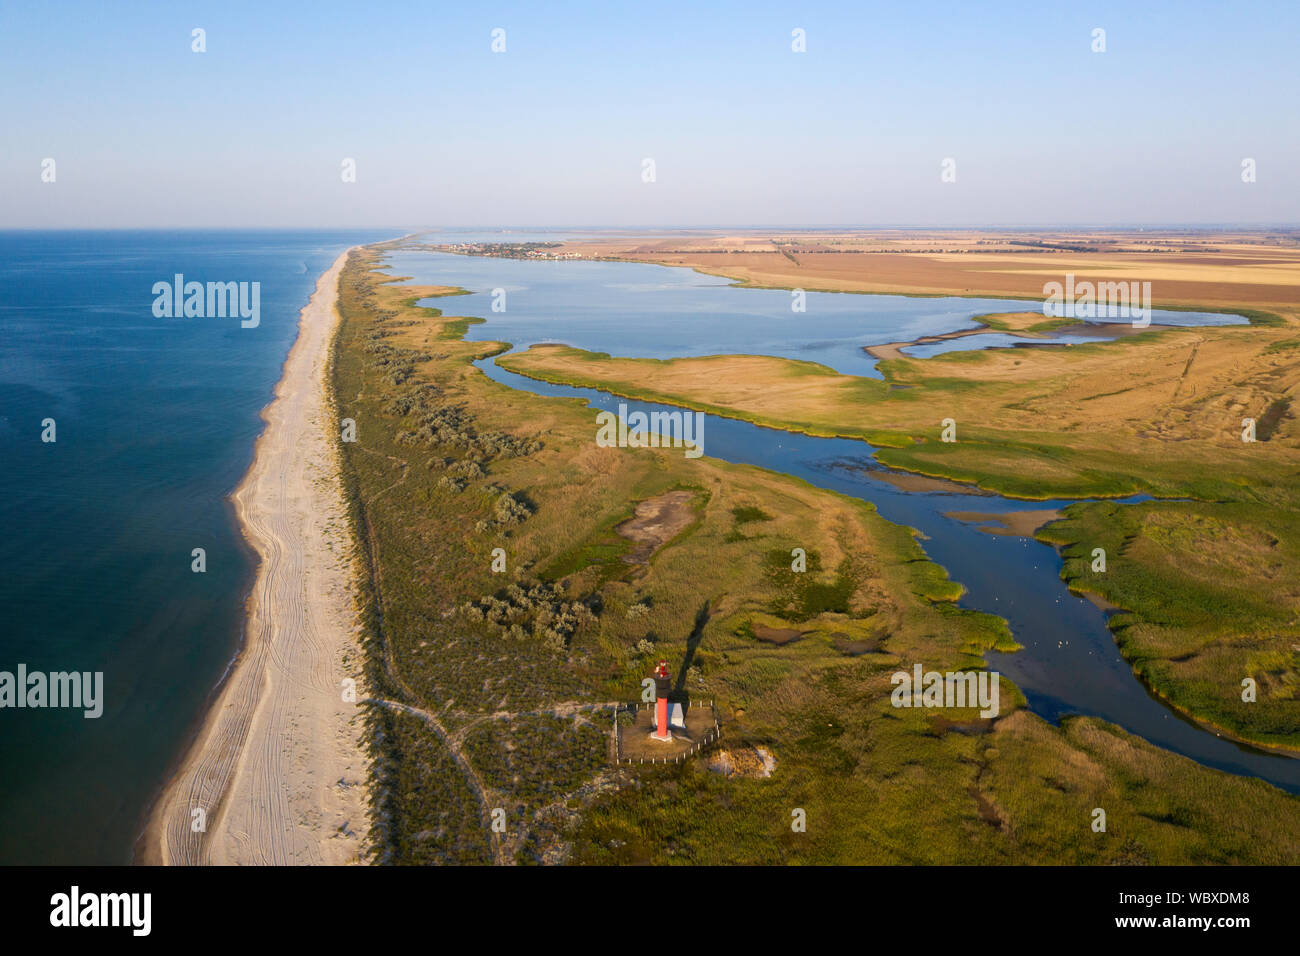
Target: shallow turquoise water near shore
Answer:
[[156, 420]]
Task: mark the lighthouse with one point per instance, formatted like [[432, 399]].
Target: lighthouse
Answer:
[[662, 683]]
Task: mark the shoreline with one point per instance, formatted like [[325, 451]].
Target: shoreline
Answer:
[[277, 765]]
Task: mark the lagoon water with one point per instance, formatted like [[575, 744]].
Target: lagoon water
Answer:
[[155, 423], [636, 310], [1068, 664]]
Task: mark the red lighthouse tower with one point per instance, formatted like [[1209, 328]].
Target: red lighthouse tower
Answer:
[[662, 684]]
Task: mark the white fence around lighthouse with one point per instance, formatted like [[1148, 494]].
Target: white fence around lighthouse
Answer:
[[710, 737]]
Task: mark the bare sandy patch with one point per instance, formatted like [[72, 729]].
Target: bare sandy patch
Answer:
[[1018, 524], [756, 762], [657, 521], [922, 483]]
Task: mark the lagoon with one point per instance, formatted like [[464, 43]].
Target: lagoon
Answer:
[[636, 310]]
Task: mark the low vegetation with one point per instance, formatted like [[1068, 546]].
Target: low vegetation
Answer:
[[490, 687], [1159, 413]]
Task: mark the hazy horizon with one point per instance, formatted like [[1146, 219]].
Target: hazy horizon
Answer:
[[744, 132], [710, 228]]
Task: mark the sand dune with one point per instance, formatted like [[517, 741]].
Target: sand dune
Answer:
[[278, 767]]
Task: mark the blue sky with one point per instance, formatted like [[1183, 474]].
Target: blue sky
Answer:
[[742, 130]]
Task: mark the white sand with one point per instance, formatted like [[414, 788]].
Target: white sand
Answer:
[[278, 765]]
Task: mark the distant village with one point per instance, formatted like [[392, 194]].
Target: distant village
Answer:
[[511, 250]]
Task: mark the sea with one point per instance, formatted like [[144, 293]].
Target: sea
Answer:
[[153, 421]]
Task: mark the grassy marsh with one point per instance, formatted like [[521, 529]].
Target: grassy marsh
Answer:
[[475, 712]]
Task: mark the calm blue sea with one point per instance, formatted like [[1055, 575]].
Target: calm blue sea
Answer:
[[155, 422]]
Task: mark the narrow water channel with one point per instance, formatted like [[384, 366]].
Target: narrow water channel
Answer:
[[1069, 663]]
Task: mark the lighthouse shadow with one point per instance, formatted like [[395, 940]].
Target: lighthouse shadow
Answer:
[[692, 642], [633, 735]]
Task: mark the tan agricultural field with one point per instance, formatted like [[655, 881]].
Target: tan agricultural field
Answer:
[[1209, 270]]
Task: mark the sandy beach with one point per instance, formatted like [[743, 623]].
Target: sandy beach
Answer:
[[278, 767]]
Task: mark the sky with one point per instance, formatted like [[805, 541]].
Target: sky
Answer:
[[555, 130]]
